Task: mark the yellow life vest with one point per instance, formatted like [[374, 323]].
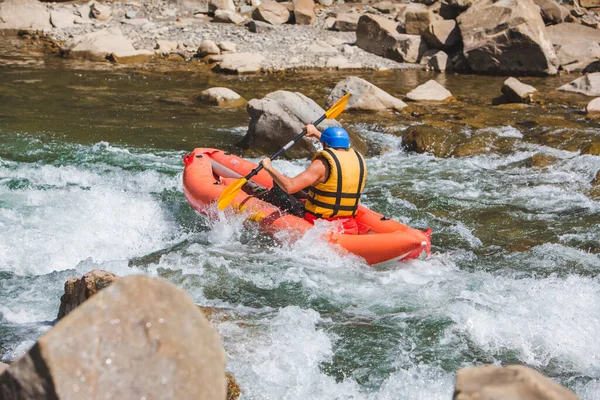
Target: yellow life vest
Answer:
[[340, 194]]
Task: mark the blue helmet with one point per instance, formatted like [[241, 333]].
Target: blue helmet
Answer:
[[336, 137]]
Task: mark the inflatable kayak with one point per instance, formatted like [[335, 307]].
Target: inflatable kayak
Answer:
[[207, 173]]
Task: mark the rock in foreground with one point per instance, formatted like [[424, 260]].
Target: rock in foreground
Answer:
[[139, 338]]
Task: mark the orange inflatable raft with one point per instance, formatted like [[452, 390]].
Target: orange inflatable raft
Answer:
[[208, 172]]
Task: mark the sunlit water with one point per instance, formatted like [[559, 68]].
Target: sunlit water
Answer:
[[513, 277]]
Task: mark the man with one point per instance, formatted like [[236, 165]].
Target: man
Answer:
[[335, 179]]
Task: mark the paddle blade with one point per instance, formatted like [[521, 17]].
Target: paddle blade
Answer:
[[229, 193], [338, 107]]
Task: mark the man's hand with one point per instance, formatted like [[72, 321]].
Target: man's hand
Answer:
[[266, 163], [311, 131]]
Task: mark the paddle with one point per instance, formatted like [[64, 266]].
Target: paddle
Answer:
[[232, 190]]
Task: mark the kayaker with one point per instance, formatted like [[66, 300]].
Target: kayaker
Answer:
[[335, 179]]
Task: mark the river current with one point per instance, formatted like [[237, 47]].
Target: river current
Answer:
[[90, 177]]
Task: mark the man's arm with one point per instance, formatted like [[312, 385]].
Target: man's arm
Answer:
[[316, 172]]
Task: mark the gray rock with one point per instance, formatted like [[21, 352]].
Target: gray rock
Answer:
[[588, 85], [139, 337], [207, 47], [577, 47], [364, 96], [277, 118], [416, 22], [222, 97], [515, 382], [225, 5], [346, 22], [240, 63], [100, 12], [272, 13], [442, 34], [24, 14], [131, 14], [516, 91], [228, 17], [259, 27], [506, 36], [429, 91], [227, 46]]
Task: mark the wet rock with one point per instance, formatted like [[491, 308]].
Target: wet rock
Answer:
[[378, 35], [588, 85], [515, 91], [224, 5], [78, 290], [346, 22], [228, 17], [429, 91], [240, 63], [100, 12], [428, 139], [207, 48], [416, 22], [506, 37], [227, 47], [577, 47], [592, 149], [62, 19], [222, 97], [140, 337], [516, 382], [24, 14], [364, 96], [272, 13], [304, 12], [442, 34], [99, 45], [277, 118], [552, 12], [259, 27], [593, 107], [233, 389]]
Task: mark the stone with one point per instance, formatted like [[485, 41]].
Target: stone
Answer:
[[336, 62], [207, 48], [320, 46], [225, 5], [97, 46], [228, 17], [272, 13], [222, 97], [515, 382], [552, 12], [100, 12], [130, 57], [227, 47], [403, 9], [304, 12], [346, 22], [588, 85], [364, 96], [259, 27], [62, 19], [325, 3], [589, 3], [24, 14], [506, 36], [165, 46], [3, 367], [461, 5], [416, 22], [593, 106], [438, 61], [131, 14], [429, 91], [592, 149], [240, 63], [78, 290], [139, 337], [442, 34], [278, 117], [193, 6], [516, 91], [347, 49], [386, 7], [577, 47], [378, 35]]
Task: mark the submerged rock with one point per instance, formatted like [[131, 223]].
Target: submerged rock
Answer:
[[222, 97], [364, 96], [516, 382], [277, 118], [588, 85], [140, 337]]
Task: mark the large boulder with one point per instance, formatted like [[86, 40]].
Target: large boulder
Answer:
[[272, 13], [364, 96], [515, 382], [277, 118], [506, 36], [429, 91], [416, 22], [588, 85], [379, 36], [552, 12], [24, 14], [78, 290], [442, 34], [576, 46], [99, 45], [304, 12], [141, 337]]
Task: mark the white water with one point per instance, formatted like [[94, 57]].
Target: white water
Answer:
[[292, 304]]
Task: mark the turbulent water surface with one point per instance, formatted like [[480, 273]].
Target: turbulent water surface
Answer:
[[90, 177]]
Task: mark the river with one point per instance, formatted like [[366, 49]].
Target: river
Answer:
[[90, 177]]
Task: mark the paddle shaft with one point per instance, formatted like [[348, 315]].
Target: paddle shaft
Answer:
[[284, 148]]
